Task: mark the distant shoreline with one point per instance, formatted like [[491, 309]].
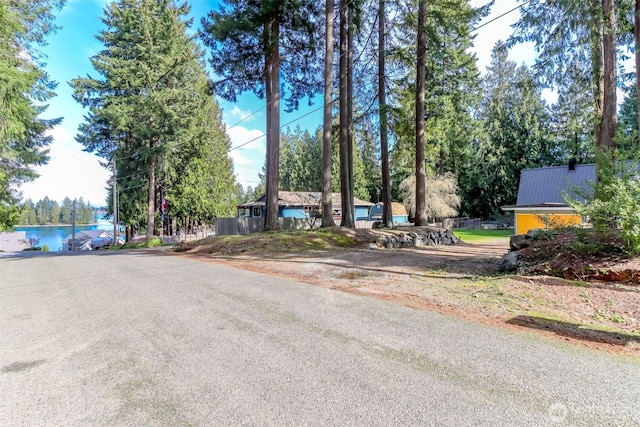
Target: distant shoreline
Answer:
[[63, 225]]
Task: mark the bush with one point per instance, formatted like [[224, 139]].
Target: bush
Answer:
[[45, 248], [614, 204], [155, 241]]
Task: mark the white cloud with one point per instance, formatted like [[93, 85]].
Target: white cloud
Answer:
[[70, 173], [249, 157], [236, 115]]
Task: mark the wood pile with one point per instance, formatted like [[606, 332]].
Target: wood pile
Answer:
[[407, 240]]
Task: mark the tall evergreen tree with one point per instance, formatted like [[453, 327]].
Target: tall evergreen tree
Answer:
[[252, 45], [24, 87], [515, 135], [571, 119], [565, 32], [420, 208], [627, 139], [327, 206], [151, 103], [345, 121], [387, 214]]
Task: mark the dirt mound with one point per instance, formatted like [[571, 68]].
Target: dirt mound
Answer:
[[580, 255]]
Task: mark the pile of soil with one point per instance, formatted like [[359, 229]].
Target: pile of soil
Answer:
[[583, 255]]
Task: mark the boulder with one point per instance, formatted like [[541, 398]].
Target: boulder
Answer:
[[519, 241], [509, 262]]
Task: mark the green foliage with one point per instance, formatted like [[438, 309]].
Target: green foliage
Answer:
[[239, 41], [24, 88], [613, 203], [452, 90], [300, 160], [592, 242], [45, 248], [48, 211], [572, 118], [514, 137], [9, 216], [152, 243], [628, 139], [562, 32], [155, 242], [152, 110]]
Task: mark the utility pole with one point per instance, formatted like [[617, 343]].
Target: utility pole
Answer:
[[115, 203], [73, 225]]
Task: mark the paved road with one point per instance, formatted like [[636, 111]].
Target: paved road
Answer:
[[145, 339]]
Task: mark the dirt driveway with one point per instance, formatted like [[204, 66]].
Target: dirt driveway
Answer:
[[462, 280]]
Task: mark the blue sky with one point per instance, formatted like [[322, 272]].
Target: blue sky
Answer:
[[74, 173]]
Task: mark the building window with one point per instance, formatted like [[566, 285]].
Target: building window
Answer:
[[313, 211], [257, 212]]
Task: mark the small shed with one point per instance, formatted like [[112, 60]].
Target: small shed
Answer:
[[541, 192], [398, 212]]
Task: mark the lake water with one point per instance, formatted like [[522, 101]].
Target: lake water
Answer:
[[53, 236]]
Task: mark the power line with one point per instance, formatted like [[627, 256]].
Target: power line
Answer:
[[368, 41], [473, 30]]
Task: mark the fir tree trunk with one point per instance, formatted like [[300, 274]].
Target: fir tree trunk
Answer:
[[345, 185], [610, 117], [327, 206], [273, 124], [420, 76], [387, 213], [596, 63], [350, 219], [152, 190]]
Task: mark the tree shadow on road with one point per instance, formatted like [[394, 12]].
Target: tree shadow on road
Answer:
[[575, 330]]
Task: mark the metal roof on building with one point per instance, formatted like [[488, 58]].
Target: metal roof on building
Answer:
[[550, 185]]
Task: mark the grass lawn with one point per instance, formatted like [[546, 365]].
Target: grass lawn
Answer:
[[471, 235]]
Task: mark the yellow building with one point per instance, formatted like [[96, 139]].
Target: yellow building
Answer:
[[541, 196]]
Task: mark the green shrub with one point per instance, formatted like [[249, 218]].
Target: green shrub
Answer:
[[155, 241], [45, 248], [614, 204]]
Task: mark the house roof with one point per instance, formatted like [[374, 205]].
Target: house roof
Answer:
[[303, 198], [89, 234], [546, 187], [398, 209]]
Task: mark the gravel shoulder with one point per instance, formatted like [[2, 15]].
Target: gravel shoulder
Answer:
[[462, 280]]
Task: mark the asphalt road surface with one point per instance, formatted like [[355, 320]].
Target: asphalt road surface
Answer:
[[140, 339]]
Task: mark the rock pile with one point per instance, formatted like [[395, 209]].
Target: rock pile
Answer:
[[402, 240]]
